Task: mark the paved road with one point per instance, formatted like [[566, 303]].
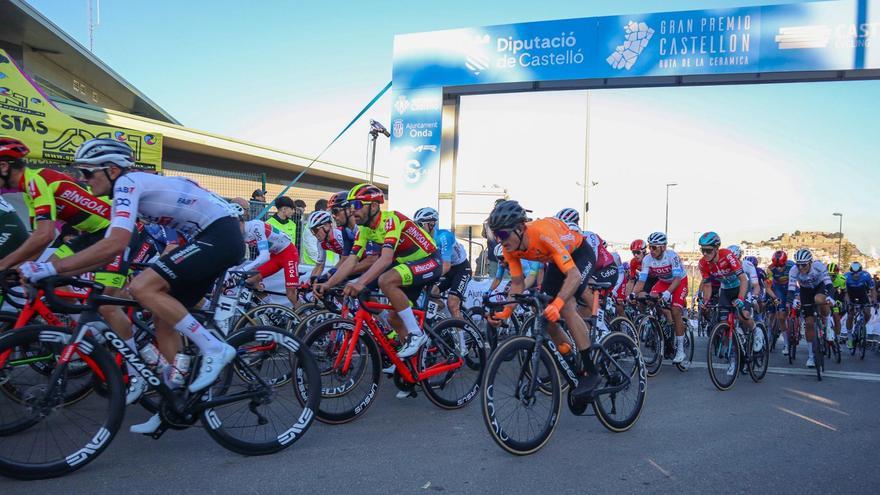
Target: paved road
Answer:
[[789, 434]]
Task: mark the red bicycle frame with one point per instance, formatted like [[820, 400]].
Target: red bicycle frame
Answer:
[[343, 359]]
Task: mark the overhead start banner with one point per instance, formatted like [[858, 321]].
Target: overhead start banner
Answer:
[[29, 115], [816, 36]]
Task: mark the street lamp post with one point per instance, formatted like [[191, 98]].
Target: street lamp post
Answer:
[[839, 236], [666, 226]]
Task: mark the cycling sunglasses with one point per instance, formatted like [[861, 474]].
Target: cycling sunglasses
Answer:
[[338, 210], [358, 204], [636, 253], [503, 235], [708, 250], [655, 248], [88, 173]]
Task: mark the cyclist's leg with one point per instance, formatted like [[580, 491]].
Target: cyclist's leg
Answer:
[[458, 285], [401, 286]]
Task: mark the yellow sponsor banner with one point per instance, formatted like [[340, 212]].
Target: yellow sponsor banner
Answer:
[[27, 113]]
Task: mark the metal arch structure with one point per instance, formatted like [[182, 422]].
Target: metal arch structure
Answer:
[[804, 42]]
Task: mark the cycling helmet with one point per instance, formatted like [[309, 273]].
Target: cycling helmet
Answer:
[[657, 239], [338, 200], [103, 152], [318, 218], [573, 226], [803, 256], [637, 245], [568, 215], [507, 214], [238, 207], [735, 249], [753, 260], [426, 214], [855, 267], [710, 239], [12, 149], [499, 252], [832, 267], [779, 258], [366, 192]]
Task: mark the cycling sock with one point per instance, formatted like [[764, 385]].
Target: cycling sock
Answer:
[[810, 351], [200, 335], [588, 365], [679, 341], [409, 321], [131, 371]]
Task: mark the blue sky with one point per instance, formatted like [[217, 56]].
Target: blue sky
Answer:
[[291, 74]]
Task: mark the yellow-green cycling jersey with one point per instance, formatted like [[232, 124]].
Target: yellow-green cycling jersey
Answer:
[[52, 195], [395, 231]]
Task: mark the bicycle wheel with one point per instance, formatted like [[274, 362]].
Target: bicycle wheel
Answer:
[[449, 340], [760, 359], [311, 321], [689, 345], [863, 340], [818, 353], [306, 309], [518, 423], [621, 393], [723, 356], [651, 345], [793, 340], [41, 436], [268, 315], [544, 381], [275, 420], [834, 350], [623, 325], [345, 395]]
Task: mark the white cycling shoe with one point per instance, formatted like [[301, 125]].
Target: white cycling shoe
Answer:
[[403, 394], [811, 363], [758, 344], [412, 345], [136, 388], [679, 356], [731, 370], [148, 427], [211, 366]]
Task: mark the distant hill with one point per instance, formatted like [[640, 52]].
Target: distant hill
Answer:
[[823, 244]]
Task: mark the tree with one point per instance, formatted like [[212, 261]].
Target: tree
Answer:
[[797, 232], [846, 254]]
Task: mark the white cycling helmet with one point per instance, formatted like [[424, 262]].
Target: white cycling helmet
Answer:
[[236, 209], [426, 214], [657, 239], [318, 218], [102, 153], [803, 256], [499, 252], [573, 226], [736, 250], [568, 215]]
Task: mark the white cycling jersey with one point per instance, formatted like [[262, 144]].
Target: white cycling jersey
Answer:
[[667, 268], [751, 272], [267, 239], [176, 202], [818, 275], [335, 240]]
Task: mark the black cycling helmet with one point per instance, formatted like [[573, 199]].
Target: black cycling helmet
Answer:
[[507, 214]]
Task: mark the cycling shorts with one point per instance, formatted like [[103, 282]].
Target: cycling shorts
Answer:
[[192, 269], [287, 260], [782, 293], [456, 279], [416, 274], [858, 295], [12, 233], [113, 274], [808, 294], [679, 296], [585, 261]]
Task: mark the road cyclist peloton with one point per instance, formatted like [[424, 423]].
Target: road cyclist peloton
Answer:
[[809, 278], [665, 266], [456, 273], [176, 280]]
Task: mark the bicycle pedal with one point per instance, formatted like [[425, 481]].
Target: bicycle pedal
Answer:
[[163, 427]]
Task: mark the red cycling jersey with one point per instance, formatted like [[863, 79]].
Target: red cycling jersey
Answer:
[[333, 242], [726, 269], [634, 267]]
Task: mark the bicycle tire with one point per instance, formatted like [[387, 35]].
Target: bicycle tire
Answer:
[[342, 403], [818, 353], [525, 330], [98, 436], [689, 345], [607, 405], [626, 326], [476, 354], [651, 345], [295, 424], [313, 320], [270, 315], [723, 345], [492, 417], [761, 360], [863, 340]]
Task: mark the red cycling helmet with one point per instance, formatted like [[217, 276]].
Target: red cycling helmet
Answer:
[[779, 258], [338, 200], [368, 193], [12, 149], [638, 245]]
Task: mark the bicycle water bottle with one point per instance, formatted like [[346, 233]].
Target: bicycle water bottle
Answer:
[[180, 369]]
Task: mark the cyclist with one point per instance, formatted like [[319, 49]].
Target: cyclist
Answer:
[[810, 279], [777, 274], [762, 285], [838, 282], [275, 251], [178, 279], [13, 233], [639, 249], [672, 284], [456, 266], [751, 271], [532, 271], [724, 266], [570, 263], [409, 261], [860, 289]]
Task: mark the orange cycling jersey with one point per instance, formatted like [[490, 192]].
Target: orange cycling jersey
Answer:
[[549, 239]]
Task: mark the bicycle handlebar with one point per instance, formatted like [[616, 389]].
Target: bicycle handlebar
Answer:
[[48, 285], [538, 300], [8, 279]]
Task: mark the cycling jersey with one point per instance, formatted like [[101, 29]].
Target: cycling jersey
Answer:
[[603, 257], [839, 283], [176, 202], [12, 231], [666, 269], [816, 277], [635, 265], [52, 195], [751, 273], [726, 269], [394, 230], [859, 280], [451, 251], [265, 237], [334, 242], [779, 274], [549, 239], [528, 267], [275, 252]]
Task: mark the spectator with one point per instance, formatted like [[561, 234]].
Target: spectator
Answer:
[[259, 195], [299, 207], [283, 217], [257, 202], [321, 205]]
